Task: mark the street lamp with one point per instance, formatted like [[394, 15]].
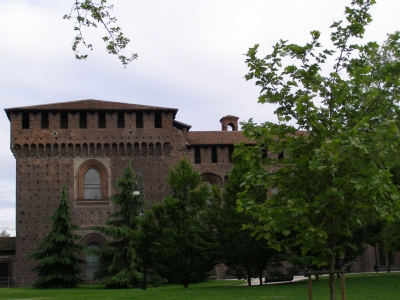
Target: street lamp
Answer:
[[139, 192]]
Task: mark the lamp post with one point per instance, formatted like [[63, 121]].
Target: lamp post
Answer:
[[139, 192]]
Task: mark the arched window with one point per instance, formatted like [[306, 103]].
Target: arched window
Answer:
[[92, 184], [91, 261]]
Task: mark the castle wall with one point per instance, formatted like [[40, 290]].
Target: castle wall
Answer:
[[47, 159]]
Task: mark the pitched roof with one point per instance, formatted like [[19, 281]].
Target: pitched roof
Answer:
[[90, 104], [217, 138], [7, 243]]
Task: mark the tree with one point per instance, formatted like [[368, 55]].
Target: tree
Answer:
[[4, 233], [185, 246], [351, 247], [120, 266], [390, 240], [89, 13], [58, 253], [331, 167], [243, 254]]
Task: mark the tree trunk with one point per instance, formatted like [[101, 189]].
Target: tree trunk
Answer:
[[376, 261], [331, 266], [248, 278], [260, 277], [337, 267], [387, 262]]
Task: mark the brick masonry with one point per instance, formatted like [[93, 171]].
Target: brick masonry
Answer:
[[56, 151]]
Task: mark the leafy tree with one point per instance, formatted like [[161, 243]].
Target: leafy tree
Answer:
[[89, 13], [120, 266], [58, 254], [243, 254], [183, 241], [329, 157]]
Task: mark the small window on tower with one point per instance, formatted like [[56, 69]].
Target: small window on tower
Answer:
[[197, 157], [25, 120], [64, 120], [214, 156], [82, 119], [102, 119], [45, 120], [139, 120], [121, 120], [158, 120], [230, 153]]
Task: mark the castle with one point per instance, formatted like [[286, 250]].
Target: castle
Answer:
[[85, 145]]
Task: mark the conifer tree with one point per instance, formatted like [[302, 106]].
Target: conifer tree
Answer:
[[57, 255], [120, 266], [184, 242], [244, 255]]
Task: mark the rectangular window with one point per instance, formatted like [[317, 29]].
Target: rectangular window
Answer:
[[82, 119], [230, 153], [45, 120], [158, 120], [197, 157], [25, 120], [102, 119], [214, 156], [139, 120], [121, 120], [64, 120]]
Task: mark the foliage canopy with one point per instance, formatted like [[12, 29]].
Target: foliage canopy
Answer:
[[335, 169]]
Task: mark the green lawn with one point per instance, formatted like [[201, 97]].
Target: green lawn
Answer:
[[366, 286]]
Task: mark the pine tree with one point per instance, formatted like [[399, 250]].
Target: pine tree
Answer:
[[57, 255], [120, 266], [243, 254], [184, 242]]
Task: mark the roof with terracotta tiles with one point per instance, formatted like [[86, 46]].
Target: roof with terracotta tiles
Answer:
[[90, 104], [7, 243], [217, 138]]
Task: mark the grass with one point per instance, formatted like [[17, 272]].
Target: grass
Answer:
[[365, 286]]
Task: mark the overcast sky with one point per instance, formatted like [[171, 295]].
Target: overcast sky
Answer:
[[191, 57]]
